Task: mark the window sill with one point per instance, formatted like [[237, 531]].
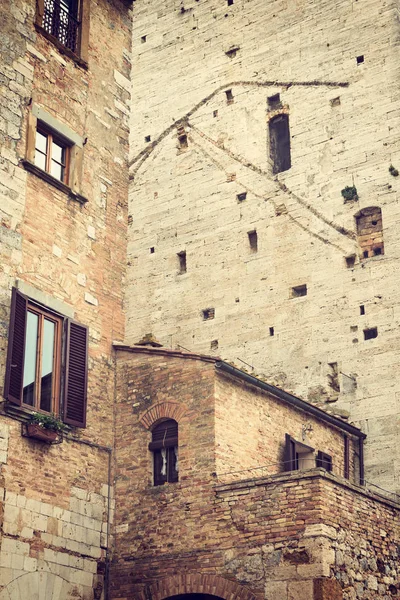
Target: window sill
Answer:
[[62, 49], [53, 181]]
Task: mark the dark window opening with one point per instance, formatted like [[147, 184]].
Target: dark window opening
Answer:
[[242, 196], [274, 102], [215, 113], [182, 261], [299, 290], [214, 345], [164, 446], [377, 251], [335, 101], [365, 254], [61, 20], [362, 309], [229, 96], [183, 140], [324, 461], [271, 331], [370, 334], [350, 261], [147, 138], [360, 59], [208, 314], [152, 250], [297, 456], [143, 39], [279, 143], [230, 2], [37, 376], [253, 240]]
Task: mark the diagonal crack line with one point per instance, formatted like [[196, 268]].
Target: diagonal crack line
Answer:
[[279, 184], [143, 154], [293, 219]]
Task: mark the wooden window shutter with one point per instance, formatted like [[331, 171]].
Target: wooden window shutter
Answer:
[[39, 11], [75, 397], [16, 348], [346, 457], [289, 454]]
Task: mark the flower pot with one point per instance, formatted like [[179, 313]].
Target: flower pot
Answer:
[[34, 430]]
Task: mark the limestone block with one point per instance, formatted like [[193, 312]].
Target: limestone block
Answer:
[[276, 590]]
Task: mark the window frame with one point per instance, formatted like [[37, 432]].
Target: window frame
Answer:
[[80, 53], [169, 442], [70, 395], [51, 138]]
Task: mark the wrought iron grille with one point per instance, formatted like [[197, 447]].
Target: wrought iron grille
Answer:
[[60, 20]]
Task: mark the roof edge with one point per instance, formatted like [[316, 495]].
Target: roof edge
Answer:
[[290, 399], [164, 352]]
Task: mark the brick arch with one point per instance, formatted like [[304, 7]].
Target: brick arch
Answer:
[[161, 410], [196, 583]]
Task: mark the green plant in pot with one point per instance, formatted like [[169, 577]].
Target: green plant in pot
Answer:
[[45, 427]]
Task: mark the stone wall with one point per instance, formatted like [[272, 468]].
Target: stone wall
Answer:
[[55, 499], [333, 66]]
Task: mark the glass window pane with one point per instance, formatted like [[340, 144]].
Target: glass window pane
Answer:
[[57, 153], [47, 365], [30, 358], [40, 160], [41, 142], [56, 170]]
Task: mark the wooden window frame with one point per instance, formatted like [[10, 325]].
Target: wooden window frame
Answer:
[[324, 461], [54, 137], [168, 444], [69, 395], [55, 393], [80, 55]]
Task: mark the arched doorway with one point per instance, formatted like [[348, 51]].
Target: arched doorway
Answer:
[[194, 597]]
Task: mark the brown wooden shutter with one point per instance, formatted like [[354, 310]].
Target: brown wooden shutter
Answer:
[[346, 457], [324, 461], [75, 396], [16, 348], [289, 454], [39, 11]]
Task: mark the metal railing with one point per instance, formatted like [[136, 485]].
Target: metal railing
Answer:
[[61, 23]]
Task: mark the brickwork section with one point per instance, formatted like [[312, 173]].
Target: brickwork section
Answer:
[[187, 200], [55, 502]]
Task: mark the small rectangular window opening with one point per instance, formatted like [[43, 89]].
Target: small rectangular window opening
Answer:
[[279, 143], [52, 153], [370, 334], [253, 240], [230, 2], [350, 261], [214, 345], [229, 96], [299, 290], [147, 138], [182, 262], [362, 309], [271, 331], [242, 196], [152, 250], [215, 113], [183, 141], [377, 251], [274, 102], [143, 39], [365, 254], [360, 59], [208, 314]]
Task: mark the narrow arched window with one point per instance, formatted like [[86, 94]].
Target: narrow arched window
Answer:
[[369, 232], [164, 446], [279, 143]]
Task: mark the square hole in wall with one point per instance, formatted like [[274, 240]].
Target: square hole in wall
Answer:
[[208, 314], [350, 261], [274, 102], [242, 196], [143, 39], [335, 101], [298, 291], [271, 331], [214, 345], [362, 309], [229, 2], [229, 96], [360, 59], [182, 262], [147, 138], [371, 333], [152, 250], [215, 113]]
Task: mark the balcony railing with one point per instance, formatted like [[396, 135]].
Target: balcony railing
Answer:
[[61, 23]]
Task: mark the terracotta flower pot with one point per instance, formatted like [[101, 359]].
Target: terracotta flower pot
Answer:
[[40, 433]]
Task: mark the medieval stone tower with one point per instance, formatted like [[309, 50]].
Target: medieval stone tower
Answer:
[[264, 219]]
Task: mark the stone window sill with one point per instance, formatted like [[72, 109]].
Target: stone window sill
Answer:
[[62, 49], [53, 181]]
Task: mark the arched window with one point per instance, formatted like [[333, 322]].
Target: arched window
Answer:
[[164, 446], [369, 232], [279, 143]]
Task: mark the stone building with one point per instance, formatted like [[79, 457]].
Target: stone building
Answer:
[[259, 155], [264, 221], [64, 104]]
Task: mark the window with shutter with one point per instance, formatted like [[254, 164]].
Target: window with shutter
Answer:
[[164, 446], [297, 456], [324, 460], [34, 361]]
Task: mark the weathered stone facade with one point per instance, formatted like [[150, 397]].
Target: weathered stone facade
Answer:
[[333, 66], [69, 255], [225, 529]]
